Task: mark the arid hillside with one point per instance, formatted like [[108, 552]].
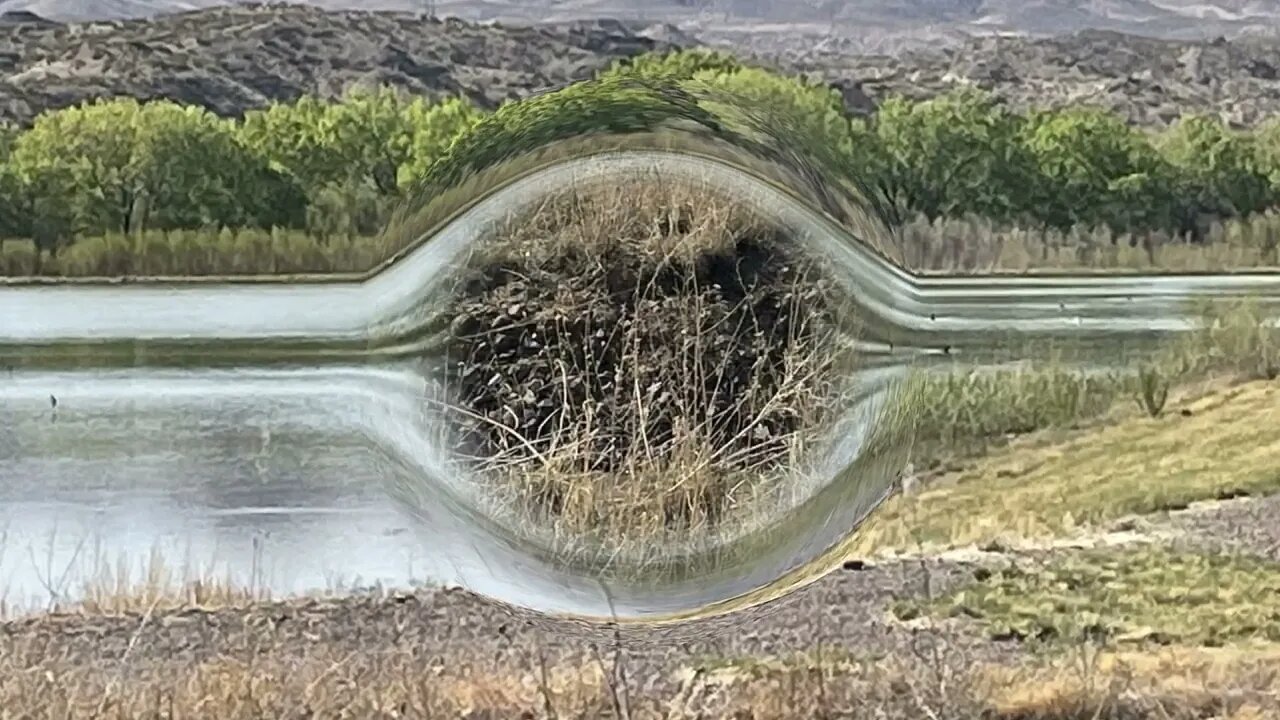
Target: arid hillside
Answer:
[[233, 59], [864, 21]]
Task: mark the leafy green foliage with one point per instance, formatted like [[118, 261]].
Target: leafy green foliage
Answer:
[[354, 156], [340, 167], [194, 172], [365, 137], [953, 154], [435, 128], [748, 98], [293, 137], [1214, 170], [1266, 149], [11, 190], [350, 208], [677, 64], [120, 165], [615, 105], [818, 109], [1093, 168]]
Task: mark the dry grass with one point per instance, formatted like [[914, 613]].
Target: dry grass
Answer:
[[96, 585], [946, 245], [643, 367], [114, 590], [321, 683], [972, 407], [1086, 683], [1174, 682], [1218, 444], [976, 245], [598, 475], [1228, 442], [178, 253], [1089, 467], [1046, 449]]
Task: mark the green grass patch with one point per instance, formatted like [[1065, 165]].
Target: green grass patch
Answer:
[[1223, 444], [1145, 595]]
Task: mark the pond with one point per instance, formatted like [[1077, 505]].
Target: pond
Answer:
[[276, 434]]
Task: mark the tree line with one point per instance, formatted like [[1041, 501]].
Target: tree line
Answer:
[[337, 168]]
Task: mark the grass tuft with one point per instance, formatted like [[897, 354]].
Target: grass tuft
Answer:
[[642, 366], [1136, 595]]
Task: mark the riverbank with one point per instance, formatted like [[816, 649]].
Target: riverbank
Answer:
[[839, 647], [1160, 613]]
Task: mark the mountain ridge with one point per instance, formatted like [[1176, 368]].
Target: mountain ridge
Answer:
[[862, 19], [233, 59]]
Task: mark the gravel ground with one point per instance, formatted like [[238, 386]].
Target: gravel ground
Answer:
[[1250, 525], [844, 613]]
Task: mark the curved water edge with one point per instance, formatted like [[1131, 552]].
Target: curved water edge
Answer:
[[347, 388], [332, 437], [903, 308], [203, 455]]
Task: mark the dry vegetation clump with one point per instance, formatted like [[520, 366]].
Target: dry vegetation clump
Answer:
[[642, 361], [195, 253], [970, 244], [974, 244]]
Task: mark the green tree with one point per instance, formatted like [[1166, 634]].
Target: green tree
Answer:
[[1092, 168], [434, 128], [619, 104], [742, 94], [121, 165], [196, 172], [1266, 150], [371, 136], [11, 189], [371, 133], [1215, 171], [676, 63], [81, 167], [347, 210], [799, 124], [37, 205], [952, 155], [817, 109], [294, 138]]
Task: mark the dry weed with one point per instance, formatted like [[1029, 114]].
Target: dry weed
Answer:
[[642, 362]]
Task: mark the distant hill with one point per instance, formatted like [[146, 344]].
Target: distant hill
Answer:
[[862, 20], [231, 59]]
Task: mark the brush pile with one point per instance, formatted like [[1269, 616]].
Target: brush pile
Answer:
[[641, 361]]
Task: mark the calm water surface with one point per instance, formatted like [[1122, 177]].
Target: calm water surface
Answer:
[[282, 477], [275, 479]]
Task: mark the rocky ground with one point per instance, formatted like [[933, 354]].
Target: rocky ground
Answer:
[[846, 612], [1252, 525], [233, 59], [813, 652], [300, 651], [862, 22], [230, 60], [247, 660]]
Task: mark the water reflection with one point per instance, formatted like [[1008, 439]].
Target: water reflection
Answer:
[[268, 477]]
